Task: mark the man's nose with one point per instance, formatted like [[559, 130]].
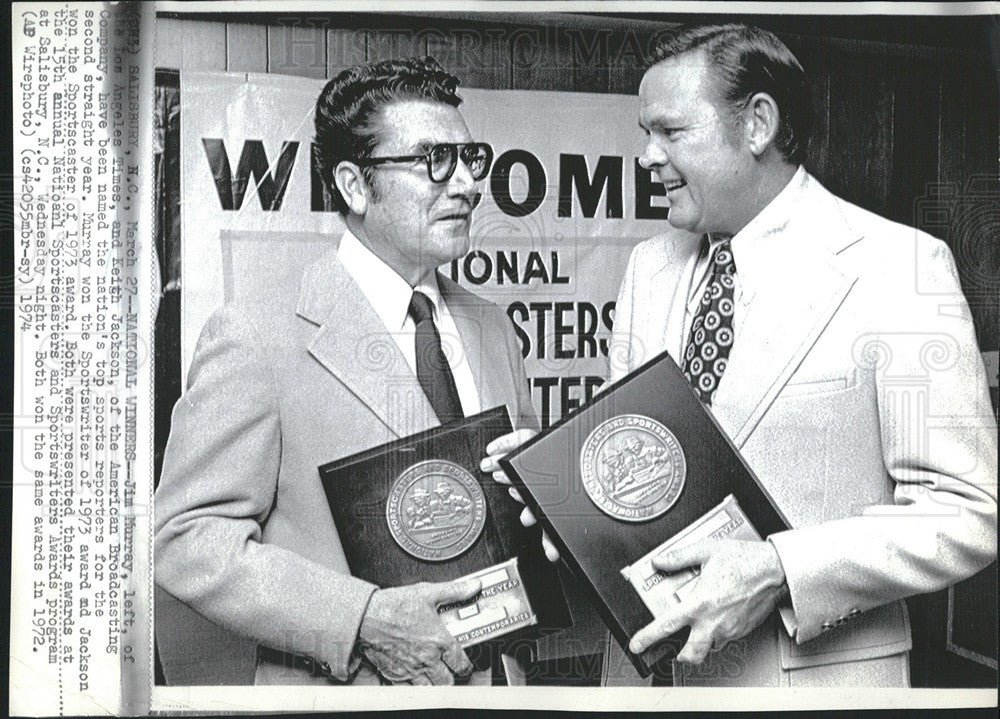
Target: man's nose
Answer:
[[461, 182], [653, 156]]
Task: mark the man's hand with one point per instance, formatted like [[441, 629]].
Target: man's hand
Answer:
[[498, 448], [402, 635], [740, 585], [501, 447]]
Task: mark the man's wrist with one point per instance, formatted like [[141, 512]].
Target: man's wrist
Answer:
[[778, 576], [355, 657], [364, 616]]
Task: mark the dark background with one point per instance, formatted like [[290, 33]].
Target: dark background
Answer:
[[905, 124]]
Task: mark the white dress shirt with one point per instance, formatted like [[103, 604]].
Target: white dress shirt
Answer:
[[389, 294]]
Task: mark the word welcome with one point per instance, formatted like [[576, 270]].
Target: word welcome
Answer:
[[576, 180]]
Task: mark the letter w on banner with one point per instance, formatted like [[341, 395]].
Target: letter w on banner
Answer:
[[562, 208]]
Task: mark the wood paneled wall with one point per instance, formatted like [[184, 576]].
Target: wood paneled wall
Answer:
[[905, 126]]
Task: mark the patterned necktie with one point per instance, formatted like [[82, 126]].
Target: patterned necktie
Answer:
[[433, 371], [711, 337]]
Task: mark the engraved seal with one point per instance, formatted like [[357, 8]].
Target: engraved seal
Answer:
[[632, 468], [436, 510]]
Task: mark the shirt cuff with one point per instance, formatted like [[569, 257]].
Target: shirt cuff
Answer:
[[785, 609], [354, 660]]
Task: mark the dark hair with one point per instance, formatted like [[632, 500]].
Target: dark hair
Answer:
[[746, 60], [347, 108]]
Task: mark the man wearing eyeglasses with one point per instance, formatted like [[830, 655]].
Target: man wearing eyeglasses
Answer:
[[374, 344]]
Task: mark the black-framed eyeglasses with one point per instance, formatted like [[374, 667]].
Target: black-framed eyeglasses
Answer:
[[442, 159]]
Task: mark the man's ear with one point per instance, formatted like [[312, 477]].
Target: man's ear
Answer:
[[352, 186], [761, 122]]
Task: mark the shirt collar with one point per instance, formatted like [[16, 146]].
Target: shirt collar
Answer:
[[758, 248], [387, 292], [429, 286]]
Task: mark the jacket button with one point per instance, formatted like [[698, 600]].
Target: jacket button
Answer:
[[826, 626]]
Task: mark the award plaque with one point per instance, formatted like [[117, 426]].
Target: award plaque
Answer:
[[419, 509], [641, 469]]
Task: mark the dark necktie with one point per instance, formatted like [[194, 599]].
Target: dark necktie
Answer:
[[707, 351], [433, 371]]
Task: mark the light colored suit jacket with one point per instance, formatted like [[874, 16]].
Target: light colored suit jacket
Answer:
[[244, 534], [856, 391]]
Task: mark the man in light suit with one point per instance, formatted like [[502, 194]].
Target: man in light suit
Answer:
[[836, 350], [373, 345]]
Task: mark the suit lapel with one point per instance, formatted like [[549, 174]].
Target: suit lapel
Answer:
[[354, 345], [800, 284], [780, 327], [651, 325]]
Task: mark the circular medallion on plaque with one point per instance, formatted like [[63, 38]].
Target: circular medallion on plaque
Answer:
[[436, 510], [632, 468]]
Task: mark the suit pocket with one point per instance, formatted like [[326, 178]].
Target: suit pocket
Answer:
[[880, 632], [817, 386], [811, 448]]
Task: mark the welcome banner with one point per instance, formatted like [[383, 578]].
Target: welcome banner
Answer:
[[563, 206]]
